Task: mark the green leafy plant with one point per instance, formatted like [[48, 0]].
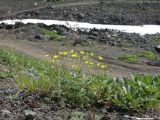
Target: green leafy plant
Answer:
[[52, 34], [129, 58], [140, 92], [148, 54]]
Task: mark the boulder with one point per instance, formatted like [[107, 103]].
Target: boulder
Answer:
[[157, 48], [38, 37], [154, 63]]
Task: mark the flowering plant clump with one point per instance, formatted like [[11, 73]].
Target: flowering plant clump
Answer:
[[139, 93], [77, 60]]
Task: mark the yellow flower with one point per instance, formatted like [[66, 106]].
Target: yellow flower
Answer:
[[91, 54], [71, 51], [86, 62], [100, 58], [82, 52], [85, 57], [75, 55], [91, 63], [65, 53], [55, 56], [52, 61], [103, 66], [61, 53], [46, 55], [74, 66], [98, 64]]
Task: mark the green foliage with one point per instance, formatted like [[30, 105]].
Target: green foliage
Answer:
[[148, 54], [52, 34], [129, 58], [138, 93], [77, 116], [133, 58], [6, 74]]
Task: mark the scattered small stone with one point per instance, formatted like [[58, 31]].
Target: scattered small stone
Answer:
[[45, 108], [29, 115], [59, 118], [36, 4], [61, 104], [154, 63], [5, 113], [104, 111]]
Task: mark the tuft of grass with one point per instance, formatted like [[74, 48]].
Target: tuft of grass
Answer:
[[139, 92], [133, 58], [148, 54], [52, 34], [129, 58], [6, 73]]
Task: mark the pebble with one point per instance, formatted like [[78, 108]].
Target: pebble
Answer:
[[29, 115]]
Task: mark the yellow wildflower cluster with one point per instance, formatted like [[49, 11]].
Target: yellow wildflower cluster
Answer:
[[63, 53], [75, 55], [100, 58], [55, 56], [78, 59]]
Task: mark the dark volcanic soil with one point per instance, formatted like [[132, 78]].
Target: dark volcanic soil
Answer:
[[121, 13], [110, 37], [14, 103]]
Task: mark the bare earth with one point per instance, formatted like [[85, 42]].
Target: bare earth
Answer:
[[39, 49]]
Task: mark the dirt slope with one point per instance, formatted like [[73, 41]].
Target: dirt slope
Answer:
[[38, 50]]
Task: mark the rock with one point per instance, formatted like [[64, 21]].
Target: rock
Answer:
[[29, 115], [104, 111], [61, 30], [47, 38], [43, 37], [154, 63], [80, 15], [59, 118], [65, 115], [5, 113], [105, 117], [94, 33], [45, 108], [157, 48], [91, 37], [61, 104], [38, 37]]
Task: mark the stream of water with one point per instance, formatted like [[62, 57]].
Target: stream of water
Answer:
[[142, 30]]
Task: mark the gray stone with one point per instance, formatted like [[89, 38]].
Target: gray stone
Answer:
[[29, 115], [80, 15], [47, 37], [5, 113], [157, 48], [38, 37], [104, 111], [61, 104], [154, 63]]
